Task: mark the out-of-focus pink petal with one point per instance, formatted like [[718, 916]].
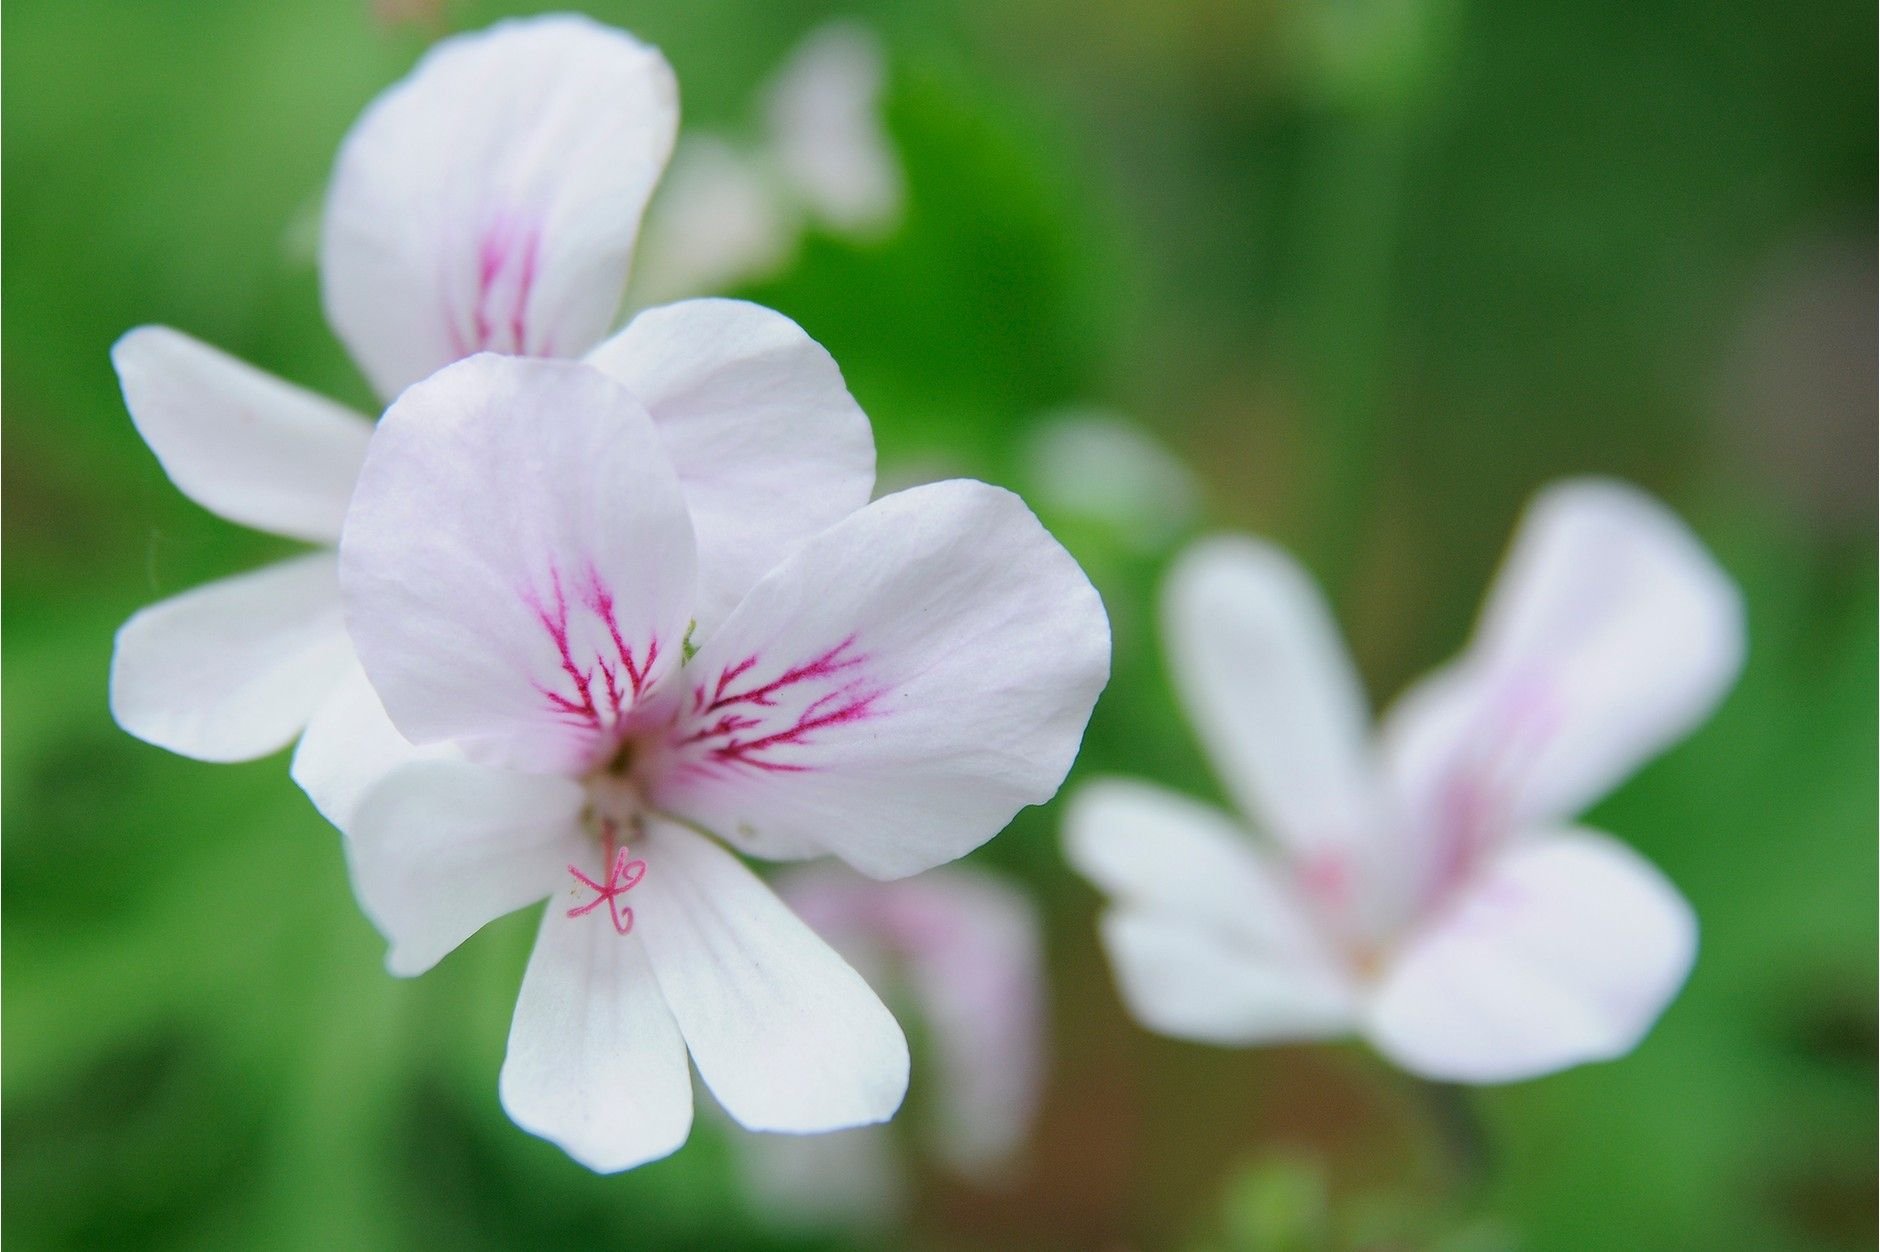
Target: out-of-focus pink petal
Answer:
[[1609, 635], [1260, 666], [1565, 949]]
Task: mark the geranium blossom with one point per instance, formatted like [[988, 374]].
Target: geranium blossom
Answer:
[[489, 201], [1428, 891], [960, 949], [522, 584]]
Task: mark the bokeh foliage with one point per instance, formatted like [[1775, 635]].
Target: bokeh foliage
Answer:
[[1375, 269]]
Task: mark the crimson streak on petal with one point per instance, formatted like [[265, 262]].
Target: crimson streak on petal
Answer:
[[730, 726], [623, 678]]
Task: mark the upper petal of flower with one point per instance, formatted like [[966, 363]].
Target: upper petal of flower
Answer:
[[595, 1061], [1208, 937], [785, 1034], [896, 689], [1564, 950], [1609, 634], [240, 442], [438, 849], [232, 670], [490, 200], [517, 565], [1260, 666], [769, 445]]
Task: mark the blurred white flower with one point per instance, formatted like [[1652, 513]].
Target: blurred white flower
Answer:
[[489, 201], [533, 590], [1426, 891], [731, 214], [961, 950], [1098, 465]]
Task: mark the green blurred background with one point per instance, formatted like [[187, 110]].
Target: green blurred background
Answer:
[[1374, 269]]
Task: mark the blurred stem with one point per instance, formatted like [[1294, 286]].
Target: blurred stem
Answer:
[[1353, 193], [1386, 68], [1459, 1128]]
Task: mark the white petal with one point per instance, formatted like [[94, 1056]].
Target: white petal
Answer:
[[1094, 464], [825, 130], [769, 445], [232, 670], [349, 745], [240, 442], [1182, 980], [490, 200], [1259, 664], [595, 1061], [894, 691], [785, 1034], [517, 563], [1564, 950], [1207, 938], [1609, 635], [438, 849], [719, 221]]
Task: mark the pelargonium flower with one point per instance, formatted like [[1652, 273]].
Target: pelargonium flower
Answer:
[[489, 201], [960, 949], [520, 574], [1429, 891]]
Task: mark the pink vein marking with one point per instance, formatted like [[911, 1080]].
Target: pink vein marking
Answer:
[[507, 250], [850, 700], [623, 875], [583, 708]]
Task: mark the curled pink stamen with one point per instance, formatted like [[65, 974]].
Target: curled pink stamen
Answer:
[[623, 874]]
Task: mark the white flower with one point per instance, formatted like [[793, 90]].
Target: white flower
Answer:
[[961, 949], [519, 574], [489, 201], [731, 213], [1428, 892], [1101, 466]]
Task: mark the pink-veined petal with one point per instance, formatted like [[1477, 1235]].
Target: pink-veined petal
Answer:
[[1564, 950], [965, 946], [490, 200], [350, 744], [595, 1062], [233, 669], [1206, 937], [1609, 634], [785, 1034], [518, 564], [769, 445], [240, 442], [1260, 666], [438, 849], [895, 690]]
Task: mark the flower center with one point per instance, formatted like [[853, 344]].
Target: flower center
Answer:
[[614, 810]]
